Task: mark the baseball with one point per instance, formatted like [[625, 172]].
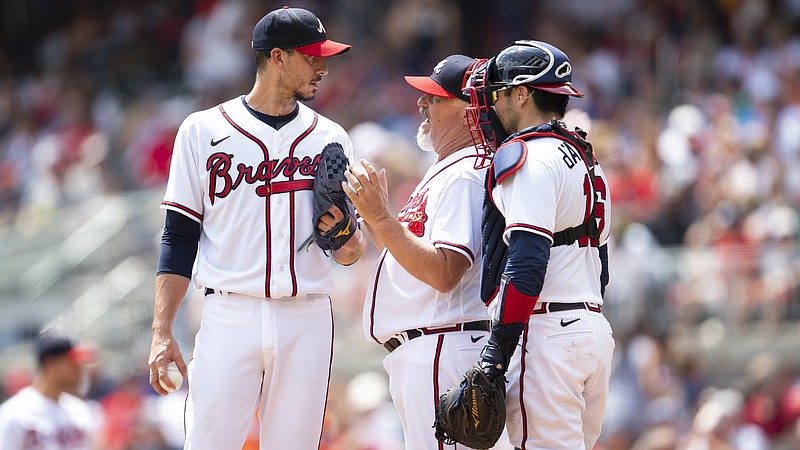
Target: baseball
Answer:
[[174, 375]]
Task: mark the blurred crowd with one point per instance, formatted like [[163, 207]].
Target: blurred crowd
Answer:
[[693, 107]]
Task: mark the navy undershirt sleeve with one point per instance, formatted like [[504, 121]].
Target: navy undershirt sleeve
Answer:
[[528, 254], [178, 245], [604, 275]]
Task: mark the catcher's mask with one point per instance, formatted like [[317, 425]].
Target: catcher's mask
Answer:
[[535, 64]]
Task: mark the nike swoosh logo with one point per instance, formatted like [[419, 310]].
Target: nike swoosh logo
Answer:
[[214, 143], [569, 322], [475, 339]]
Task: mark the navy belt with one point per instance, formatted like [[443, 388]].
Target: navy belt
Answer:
[[546, 307], [478, 325]]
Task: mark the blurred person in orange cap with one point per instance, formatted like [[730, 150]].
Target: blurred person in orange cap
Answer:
[[49, 414]]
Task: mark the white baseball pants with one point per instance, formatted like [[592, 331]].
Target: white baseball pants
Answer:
[[558, 385], [424, 368], [272, 356]]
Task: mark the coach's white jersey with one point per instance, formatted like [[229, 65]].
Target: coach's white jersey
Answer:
[[551, 192], [445, 209], [31, 421], [228, 164]]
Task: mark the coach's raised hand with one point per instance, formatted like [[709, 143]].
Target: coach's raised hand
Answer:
[[369, 192]]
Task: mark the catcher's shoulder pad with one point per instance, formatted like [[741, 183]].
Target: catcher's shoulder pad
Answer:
[[508, 159]]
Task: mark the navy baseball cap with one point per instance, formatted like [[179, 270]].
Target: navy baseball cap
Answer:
[[295, 28], [447, 78], [49, 345]]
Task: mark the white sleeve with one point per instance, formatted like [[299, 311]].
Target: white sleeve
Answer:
[[528, 199], [184, 192], [456, 223], [348, 148], [11, 433]]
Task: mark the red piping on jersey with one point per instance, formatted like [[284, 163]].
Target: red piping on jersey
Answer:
[[291, 202], [328, 386], [459, 246], [522, 385], [436, 378], [266, 199], [184, 209], [385, 252], [374, 296], [530, 227], [291, 243]]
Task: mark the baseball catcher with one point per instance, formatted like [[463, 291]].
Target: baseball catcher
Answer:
[[328, 192]]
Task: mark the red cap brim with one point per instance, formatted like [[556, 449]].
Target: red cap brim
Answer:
[[81, 354], [563, 89], [324, 49], [428, 86]]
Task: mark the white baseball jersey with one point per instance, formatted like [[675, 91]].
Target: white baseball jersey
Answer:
[[549, 193], [228, 164], [444, 209], [572, 350], [31, 421]]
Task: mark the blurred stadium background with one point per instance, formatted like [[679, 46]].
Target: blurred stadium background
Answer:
[[695, 110]]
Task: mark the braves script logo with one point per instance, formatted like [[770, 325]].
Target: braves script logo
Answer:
[[414, 213], [221, 173]]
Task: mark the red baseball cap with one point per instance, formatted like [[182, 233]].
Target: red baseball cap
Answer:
[[298, 29], [447, 78]]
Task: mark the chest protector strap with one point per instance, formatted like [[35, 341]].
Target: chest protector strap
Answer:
[[511, 155], [507, 160]]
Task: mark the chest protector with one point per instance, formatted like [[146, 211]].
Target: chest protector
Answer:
[[508, 158]]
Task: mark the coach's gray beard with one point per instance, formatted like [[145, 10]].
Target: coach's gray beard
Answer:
[[423, 140]]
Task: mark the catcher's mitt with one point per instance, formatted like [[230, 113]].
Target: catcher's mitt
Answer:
[[474, 413], [328, 191]]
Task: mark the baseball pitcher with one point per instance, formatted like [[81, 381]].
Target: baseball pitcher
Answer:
[[241, 198]]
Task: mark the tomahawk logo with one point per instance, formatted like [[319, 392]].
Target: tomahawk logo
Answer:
[[440, 66]]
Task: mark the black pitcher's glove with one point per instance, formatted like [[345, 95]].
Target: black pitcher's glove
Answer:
[[328, 191], [474, 413]]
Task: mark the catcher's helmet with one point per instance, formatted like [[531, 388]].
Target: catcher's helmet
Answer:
[[536, 64]]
